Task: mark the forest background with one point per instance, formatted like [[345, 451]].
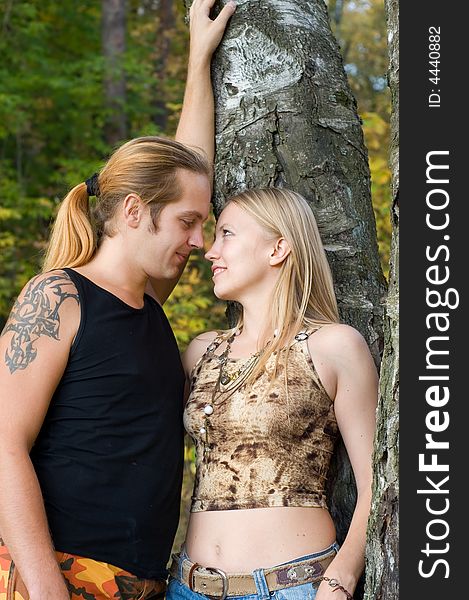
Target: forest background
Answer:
[[78, 78], [66, 101]]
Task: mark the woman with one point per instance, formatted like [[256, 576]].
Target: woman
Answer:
[[267, 401]]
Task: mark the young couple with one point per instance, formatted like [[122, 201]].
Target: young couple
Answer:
[[92, 387]]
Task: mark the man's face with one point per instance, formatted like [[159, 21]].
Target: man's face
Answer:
[[179, 228]]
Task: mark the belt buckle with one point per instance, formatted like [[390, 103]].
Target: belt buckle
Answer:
[[224, 580]]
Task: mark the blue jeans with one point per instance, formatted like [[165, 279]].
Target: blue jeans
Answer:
[[305, 591]]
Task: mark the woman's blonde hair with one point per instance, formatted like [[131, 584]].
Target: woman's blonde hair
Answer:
[[146, 166], [303, 298]]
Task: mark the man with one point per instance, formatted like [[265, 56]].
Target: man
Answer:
[[90, 379]]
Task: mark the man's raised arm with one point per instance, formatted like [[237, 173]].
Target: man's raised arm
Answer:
[[196, 124]]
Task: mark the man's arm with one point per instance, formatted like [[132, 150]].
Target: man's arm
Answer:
[[34, 349], [196, 124]]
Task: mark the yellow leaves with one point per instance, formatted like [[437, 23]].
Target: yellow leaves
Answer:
[[192, 307], [9, 213], [174, 106], [189, 457], [381, 175], [376, 131], [7, 240]]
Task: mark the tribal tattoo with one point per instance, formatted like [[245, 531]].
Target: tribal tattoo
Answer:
[[36, 315]]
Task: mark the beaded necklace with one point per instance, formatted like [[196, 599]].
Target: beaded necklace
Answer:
[[226, 384]]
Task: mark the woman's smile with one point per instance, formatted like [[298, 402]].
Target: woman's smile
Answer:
[[216, 270]]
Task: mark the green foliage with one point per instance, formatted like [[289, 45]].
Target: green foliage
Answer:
[[53, 111], [21, 217], [189, 307], [376, 131], [360, 28], [192, 307]]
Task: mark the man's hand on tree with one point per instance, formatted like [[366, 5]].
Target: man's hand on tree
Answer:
[[206, 33]]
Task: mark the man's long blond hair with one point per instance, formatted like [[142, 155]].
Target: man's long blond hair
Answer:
[[146, 166]]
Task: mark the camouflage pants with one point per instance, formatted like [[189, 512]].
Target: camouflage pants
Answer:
[[86, 579]]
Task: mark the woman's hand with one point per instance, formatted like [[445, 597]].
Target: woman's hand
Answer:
[[205, 33]]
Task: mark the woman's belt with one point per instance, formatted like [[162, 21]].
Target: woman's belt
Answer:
[[213, 582]]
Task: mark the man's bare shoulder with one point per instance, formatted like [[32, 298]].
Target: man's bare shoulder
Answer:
[[48, 307]]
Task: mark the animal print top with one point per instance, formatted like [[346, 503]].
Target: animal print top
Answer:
[[265, 448]]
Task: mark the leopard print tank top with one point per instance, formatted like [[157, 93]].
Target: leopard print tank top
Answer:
[[264, 447]]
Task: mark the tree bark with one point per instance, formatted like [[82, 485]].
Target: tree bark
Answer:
[[382, 546], [286, 117], [113, 43]]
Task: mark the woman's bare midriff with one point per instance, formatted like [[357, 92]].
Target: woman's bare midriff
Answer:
[[238, 541]]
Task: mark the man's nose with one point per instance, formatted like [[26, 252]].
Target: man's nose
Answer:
[[197, 238]]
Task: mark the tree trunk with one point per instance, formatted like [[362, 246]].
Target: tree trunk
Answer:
[[382, 547], [285, 117], [113, 41]]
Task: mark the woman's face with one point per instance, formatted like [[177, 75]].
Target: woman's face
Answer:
[[240, 256]]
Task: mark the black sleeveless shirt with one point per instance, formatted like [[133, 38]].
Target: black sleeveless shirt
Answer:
[[109, 455]]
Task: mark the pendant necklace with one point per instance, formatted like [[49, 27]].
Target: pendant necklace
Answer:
[[226, 384]]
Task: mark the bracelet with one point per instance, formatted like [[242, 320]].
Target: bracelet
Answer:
[[336, 585]]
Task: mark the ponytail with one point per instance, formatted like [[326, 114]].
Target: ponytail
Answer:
[[73, 240]]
